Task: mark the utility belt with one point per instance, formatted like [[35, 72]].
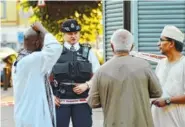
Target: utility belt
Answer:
[[64, 90], [73, 101]]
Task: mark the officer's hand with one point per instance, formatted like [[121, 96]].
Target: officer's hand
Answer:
[[57, 101], [80, 88], [159, 102]]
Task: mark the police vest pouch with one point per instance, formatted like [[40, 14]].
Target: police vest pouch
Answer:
[[84, 70], [61, 69]]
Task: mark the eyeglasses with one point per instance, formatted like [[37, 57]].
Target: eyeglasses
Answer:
[[163, 40]]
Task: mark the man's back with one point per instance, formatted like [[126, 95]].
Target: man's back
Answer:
[[125, 85], [30, 88]]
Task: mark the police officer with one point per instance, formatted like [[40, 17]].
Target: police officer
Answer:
[[74, 68]]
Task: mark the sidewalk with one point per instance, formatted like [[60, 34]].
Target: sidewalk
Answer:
[[7, 97], [7, 111], [7, 108]]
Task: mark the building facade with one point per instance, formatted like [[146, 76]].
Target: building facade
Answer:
[[145, 19], [12, 25]]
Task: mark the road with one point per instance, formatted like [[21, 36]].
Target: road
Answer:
[[7, 111]]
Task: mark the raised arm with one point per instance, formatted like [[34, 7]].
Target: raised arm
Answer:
[[50, 53], [51, 49]]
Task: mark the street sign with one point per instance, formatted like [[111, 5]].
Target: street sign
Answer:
[[41, 3], [20, 37]]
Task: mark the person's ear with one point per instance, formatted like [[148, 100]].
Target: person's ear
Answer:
[[172, 44], [38, 45], [112, 46]]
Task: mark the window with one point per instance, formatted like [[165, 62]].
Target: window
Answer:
[[3, 9]]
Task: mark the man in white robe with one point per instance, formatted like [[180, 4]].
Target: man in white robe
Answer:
[[169, 110], [34, 105]]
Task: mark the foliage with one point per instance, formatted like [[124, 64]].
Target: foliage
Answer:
[[88, 14]]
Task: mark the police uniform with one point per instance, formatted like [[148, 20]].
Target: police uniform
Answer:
[[76, 64]]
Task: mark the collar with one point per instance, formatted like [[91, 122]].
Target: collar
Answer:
[[21, 55], [68, 45]]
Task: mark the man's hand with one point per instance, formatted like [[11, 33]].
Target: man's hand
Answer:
[[80, 88], [37, 26], [159, 102], [57, 101]]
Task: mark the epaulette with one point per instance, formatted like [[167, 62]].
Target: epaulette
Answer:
[[86, 45]]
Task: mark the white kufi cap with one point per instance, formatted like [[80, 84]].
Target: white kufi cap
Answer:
[[173, 33]]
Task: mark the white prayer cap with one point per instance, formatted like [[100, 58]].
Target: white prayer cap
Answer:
[[173, 33], [122, 40]]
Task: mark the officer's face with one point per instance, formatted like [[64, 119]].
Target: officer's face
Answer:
[[72, 37]]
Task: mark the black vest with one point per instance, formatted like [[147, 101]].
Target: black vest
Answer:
[[72, 67]]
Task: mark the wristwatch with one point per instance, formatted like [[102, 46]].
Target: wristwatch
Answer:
[[167, 101]]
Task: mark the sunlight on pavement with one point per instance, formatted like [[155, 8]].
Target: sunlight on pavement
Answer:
[[7, 101]]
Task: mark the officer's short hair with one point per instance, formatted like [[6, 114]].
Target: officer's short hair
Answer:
[[70, 25]]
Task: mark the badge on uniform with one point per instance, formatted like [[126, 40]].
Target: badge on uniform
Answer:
[[72, 25]]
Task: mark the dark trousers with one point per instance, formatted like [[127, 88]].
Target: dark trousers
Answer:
[[81, 115]]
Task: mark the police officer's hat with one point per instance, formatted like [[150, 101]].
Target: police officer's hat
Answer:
[[70, 25]]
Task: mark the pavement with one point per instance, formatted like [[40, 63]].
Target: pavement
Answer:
[[7, 103]]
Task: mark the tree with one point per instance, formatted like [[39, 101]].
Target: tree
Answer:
[[87, 13]]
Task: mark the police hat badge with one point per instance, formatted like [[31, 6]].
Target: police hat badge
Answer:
[[70, 25]]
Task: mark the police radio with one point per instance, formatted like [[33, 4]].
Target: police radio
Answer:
[[85, 50]]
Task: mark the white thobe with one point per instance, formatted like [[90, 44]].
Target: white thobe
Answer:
[[172, 79], [31, 106]]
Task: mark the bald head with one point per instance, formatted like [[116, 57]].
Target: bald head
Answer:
[[122, 40], [30, 32], [32, 40]]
